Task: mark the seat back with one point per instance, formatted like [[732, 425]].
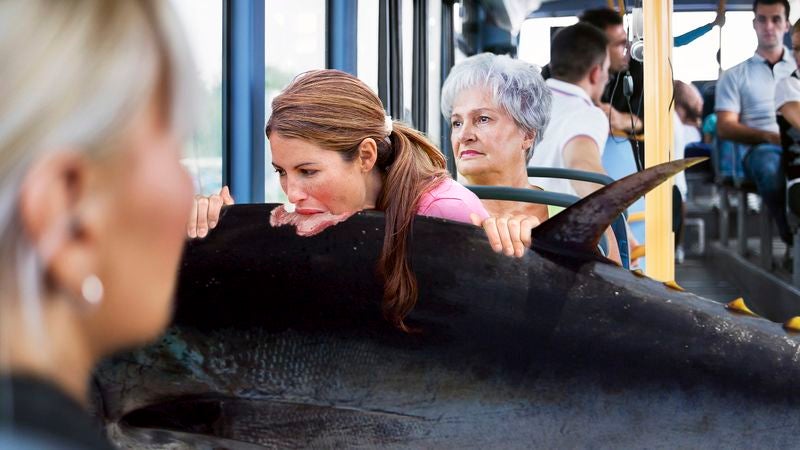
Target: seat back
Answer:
[[550, 199], [790, 158]]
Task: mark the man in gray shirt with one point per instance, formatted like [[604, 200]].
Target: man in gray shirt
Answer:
[[745, 106]]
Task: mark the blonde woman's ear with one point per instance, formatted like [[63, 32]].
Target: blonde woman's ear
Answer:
[[50, 192], [53, 212]]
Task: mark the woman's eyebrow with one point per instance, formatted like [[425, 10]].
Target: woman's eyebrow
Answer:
[[474, 111]]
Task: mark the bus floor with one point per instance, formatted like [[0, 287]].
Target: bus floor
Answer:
[[699, 276], [722, 274]]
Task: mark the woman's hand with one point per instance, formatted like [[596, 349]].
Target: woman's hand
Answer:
[[508, 234], [205, 212]]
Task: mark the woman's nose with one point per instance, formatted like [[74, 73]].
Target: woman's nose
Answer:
[[466, 133], [295, 191]]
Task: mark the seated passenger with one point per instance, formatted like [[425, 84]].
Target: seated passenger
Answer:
[[577, 133], [94, 201], [499, 108], [578, 129], [624, 112], [745, 99], [685, 122], [787, 102], [337, 153]]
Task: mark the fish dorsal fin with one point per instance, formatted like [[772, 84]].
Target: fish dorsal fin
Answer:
[[579, 227]]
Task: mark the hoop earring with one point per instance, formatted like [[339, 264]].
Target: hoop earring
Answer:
[[92, 290]]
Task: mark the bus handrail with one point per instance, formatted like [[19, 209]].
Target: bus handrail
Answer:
[[523, 195], [556, 199], [570, 174]]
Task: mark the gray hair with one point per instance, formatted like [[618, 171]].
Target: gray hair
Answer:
[[516, 86], [74, 76]]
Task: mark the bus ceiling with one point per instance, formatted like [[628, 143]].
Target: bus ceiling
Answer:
[[562, 8], [493, 25]]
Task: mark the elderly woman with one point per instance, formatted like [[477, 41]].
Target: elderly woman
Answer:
[[93, 100], [498, 108]]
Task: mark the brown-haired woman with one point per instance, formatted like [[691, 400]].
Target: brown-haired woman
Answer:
[[337, 153]]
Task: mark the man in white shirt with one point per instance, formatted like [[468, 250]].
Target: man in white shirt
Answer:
[[578, 129], [745, 106]]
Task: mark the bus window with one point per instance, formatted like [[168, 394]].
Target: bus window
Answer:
[[738, 38], [294, 43], [698, 59], [534, 38], [367, 63], [458, 53], [202, 20], [407, 36]]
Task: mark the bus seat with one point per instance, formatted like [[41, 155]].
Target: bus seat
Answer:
[[619, 226], [703, 171], [618, 159], [790, 159], [619, 162]]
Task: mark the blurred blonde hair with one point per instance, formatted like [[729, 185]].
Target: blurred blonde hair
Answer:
[[74, 74]]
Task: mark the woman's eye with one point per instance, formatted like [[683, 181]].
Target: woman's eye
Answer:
[[308, 172], [280, 172], [455, 124], [483, 119]]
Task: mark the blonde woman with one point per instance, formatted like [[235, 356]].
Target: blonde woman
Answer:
[[93, 103]]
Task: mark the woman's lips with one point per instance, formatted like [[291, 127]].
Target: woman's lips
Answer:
[[469, 154], [307, 212], [306, 222]]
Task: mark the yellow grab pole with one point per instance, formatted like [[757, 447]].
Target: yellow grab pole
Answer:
[[658, 137]]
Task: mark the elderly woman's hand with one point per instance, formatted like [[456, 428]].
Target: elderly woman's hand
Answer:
[[205, 212], [507, 233]]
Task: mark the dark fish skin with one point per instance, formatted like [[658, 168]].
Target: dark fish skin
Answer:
[[278, 342], [512, 353]]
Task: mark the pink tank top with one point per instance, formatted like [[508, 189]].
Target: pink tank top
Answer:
[[452, 201]]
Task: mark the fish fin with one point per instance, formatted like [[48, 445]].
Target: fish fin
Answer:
[[579, 227]]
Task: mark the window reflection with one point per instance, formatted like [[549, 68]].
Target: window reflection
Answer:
[[202, 22], [294, 33]]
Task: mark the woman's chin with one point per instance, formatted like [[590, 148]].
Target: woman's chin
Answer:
[[469, 169]]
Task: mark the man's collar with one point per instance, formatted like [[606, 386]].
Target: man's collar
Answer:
[[566, 88], [785, 57]]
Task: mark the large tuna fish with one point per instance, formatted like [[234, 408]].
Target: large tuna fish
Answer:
[[278, 341]]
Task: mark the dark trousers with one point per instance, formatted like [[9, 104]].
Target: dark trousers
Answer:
[[762, 165]]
